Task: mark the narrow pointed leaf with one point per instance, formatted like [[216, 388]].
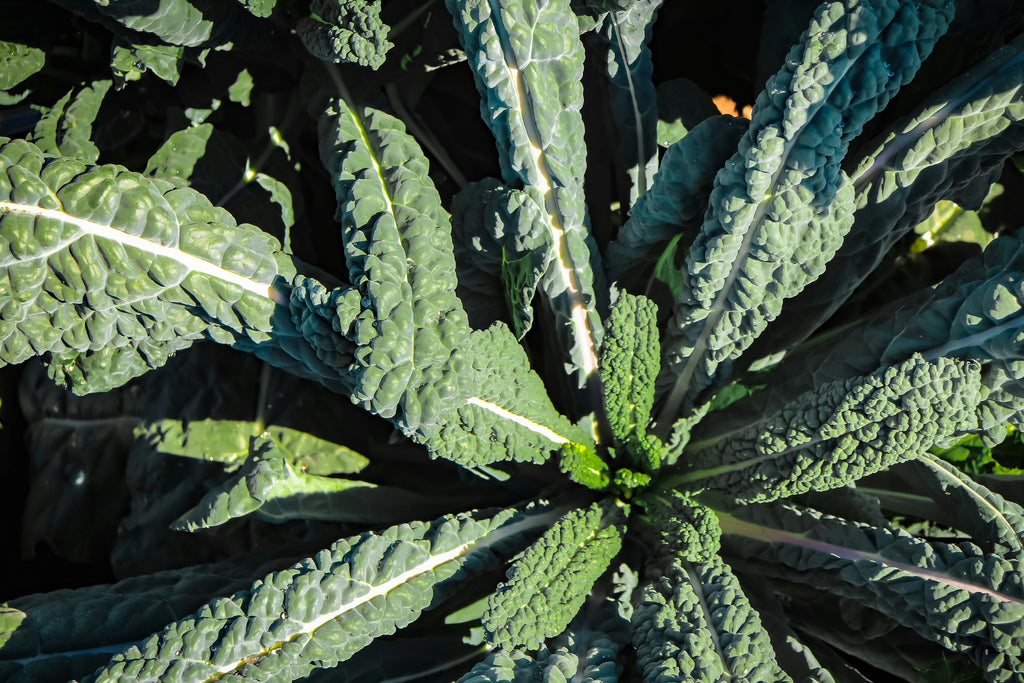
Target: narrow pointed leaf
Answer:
[[782, 204], [840, 432], [323, 609], [693, 622], [956, 595], [519, 50], [549, 581]]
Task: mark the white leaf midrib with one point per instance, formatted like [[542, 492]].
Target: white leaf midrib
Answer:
[[191, 262]]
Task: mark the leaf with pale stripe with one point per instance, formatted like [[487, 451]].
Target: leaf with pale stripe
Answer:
[[323, 609]]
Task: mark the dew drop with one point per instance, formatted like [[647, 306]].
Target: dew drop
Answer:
[[79, 478]]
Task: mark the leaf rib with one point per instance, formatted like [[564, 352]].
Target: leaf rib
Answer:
[[193, 263]]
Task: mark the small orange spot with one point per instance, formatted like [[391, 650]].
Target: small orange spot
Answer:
[[727, 105]]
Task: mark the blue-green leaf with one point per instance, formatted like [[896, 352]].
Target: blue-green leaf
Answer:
[[528, 71], [782, 205]]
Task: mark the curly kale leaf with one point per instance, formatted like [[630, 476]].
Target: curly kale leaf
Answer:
[[346, 31], [782, 205], [549, 581], [66, 634], [842, 431], [110, 272], [400, 332], [952, 147], [66, 127], [676, 520], [629, 366]]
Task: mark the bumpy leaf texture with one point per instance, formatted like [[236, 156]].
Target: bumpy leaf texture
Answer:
[[629, 364], [952, 147], [841, 431], [956, 595], [400, 332], [675, 203], [550, 580], [318, 612], [346, 31], [692, 622], [528, 71], [781, 206], [66, 634]]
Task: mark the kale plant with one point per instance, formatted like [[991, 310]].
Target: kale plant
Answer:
[[669, 400]]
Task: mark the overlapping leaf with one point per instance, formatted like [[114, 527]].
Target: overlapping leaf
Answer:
[[841, 431], [322, 609], [528, 72], [964, 599], [781, 206]]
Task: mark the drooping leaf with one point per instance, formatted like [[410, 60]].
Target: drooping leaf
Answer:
[[693, 622], [625, 34], [268, 483], [66, 634], [989, 517], [676, 202], [79, 241], [129, 61], [950, 148]]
